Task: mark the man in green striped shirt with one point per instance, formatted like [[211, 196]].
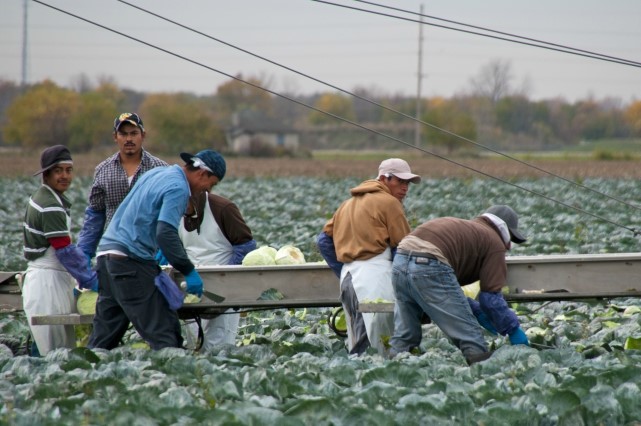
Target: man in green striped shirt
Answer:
[[54, 263]]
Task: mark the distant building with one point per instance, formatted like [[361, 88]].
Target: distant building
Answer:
[[253, 133]]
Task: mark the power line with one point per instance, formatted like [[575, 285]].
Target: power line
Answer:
[[416, 119], [571, 51], [499, 32], [353, 123]]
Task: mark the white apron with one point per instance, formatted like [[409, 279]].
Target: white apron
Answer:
[[47, 289], [210, 248], [372, 279]]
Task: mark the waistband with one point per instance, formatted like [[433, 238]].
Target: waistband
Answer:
[[416, 254]]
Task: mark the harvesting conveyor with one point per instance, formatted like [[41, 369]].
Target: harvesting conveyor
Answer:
[[530, 278]]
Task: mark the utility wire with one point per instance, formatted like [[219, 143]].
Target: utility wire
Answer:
[[417, 120], [497, 32], [571, 52], [353, 123]]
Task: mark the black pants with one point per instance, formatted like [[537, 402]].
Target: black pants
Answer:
[[128, 294]]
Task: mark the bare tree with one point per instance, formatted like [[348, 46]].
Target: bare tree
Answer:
[[493, 81]]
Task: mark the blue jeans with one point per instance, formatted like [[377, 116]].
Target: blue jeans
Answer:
[[427, 285]]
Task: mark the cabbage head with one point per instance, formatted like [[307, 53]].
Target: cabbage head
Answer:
[[264, 255], [289, 255], [86, 303]]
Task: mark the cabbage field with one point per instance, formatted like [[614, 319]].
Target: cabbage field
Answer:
[[289, 368]]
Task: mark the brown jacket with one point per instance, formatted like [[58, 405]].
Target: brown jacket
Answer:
[[366, 224]]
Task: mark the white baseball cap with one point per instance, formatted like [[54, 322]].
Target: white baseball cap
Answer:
[[399, 168]]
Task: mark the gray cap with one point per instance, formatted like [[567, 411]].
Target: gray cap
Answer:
[[511, 219]]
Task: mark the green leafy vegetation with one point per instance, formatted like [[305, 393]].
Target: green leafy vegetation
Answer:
[[290, 368]]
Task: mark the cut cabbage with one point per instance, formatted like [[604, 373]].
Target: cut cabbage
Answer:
[[86, 303], [264, 255], [191, 298], [289, 255], [472, 290]]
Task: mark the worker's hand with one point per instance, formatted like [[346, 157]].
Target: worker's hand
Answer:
[[161, 259], [194, 283], [518, 337], [91, 284], [486, 323]]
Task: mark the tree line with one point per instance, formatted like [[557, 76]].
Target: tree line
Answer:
[[491, 113]]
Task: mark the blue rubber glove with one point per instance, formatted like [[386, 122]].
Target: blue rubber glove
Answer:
[[194, 283], [485, 322], [92, 285], [518, 337], [160, 257]]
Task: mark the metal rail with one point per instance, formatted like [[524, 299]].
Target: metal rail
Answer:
[[530, 279]]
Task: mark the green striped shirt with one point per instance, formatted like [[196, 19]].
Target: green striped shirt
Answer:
[[46, 217]]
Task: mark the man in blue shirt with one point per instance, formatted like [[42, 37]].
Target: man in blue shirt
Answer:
[[148, 220]]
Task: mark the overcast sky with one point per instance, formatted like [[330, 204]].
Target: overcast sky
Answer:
[[344, 47]]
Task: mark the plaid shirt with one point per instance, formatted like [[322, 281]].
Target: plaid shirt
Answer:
[[110, 183]]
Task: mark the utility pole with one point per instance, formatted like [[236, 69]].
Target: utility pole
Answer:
[[417, 125], [23, 82]]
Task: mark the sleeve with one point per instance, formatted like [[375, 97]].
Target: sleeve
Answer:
[[97, 196], [397, 225], [493, 272], [240, 251], [328, 251], [173, 249], [91, 231], [499, 313], [75, 262], [233, 224], [328, 229], [174, 203]]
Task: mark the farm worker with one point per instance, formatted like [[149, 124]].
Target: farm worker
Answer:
[[147, 220], [358, 243], [114, 178], [216, 234], [53, 260], [431, 265]]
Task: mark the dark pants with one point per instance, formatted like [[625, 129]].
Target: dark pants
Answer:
[[352, 314], [128, 294]]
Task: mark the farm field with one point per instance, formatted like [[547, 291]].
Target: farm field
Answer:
[[289, 368]]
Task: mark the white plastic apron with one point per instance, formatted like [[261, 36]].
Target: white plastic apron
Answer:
[[47, 289], [372, 279], [210, 248]]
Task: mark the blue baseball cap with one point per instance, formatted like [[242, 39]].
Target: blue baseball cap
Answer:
[[207, 159]]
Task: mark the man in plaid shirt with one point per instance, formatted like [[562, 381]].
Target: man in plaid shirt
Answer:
[[114, 178]]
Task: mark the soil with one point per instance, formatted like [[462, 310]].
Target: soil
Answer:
[[15, 164]]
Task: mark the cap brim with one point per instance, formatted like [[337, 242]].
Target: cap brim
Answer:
[[517, 237], [44, 170], [187, 157], [408, 176]]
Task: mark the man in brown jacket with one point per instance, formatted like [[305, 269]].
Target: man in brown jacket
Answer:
[[358, 242]]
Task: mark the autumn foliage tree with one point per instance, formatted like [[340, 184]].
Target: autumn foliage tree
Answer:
[[41, 116], [180, 122], [235, 95], [632, 116], [334, 103], [445, 115]]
